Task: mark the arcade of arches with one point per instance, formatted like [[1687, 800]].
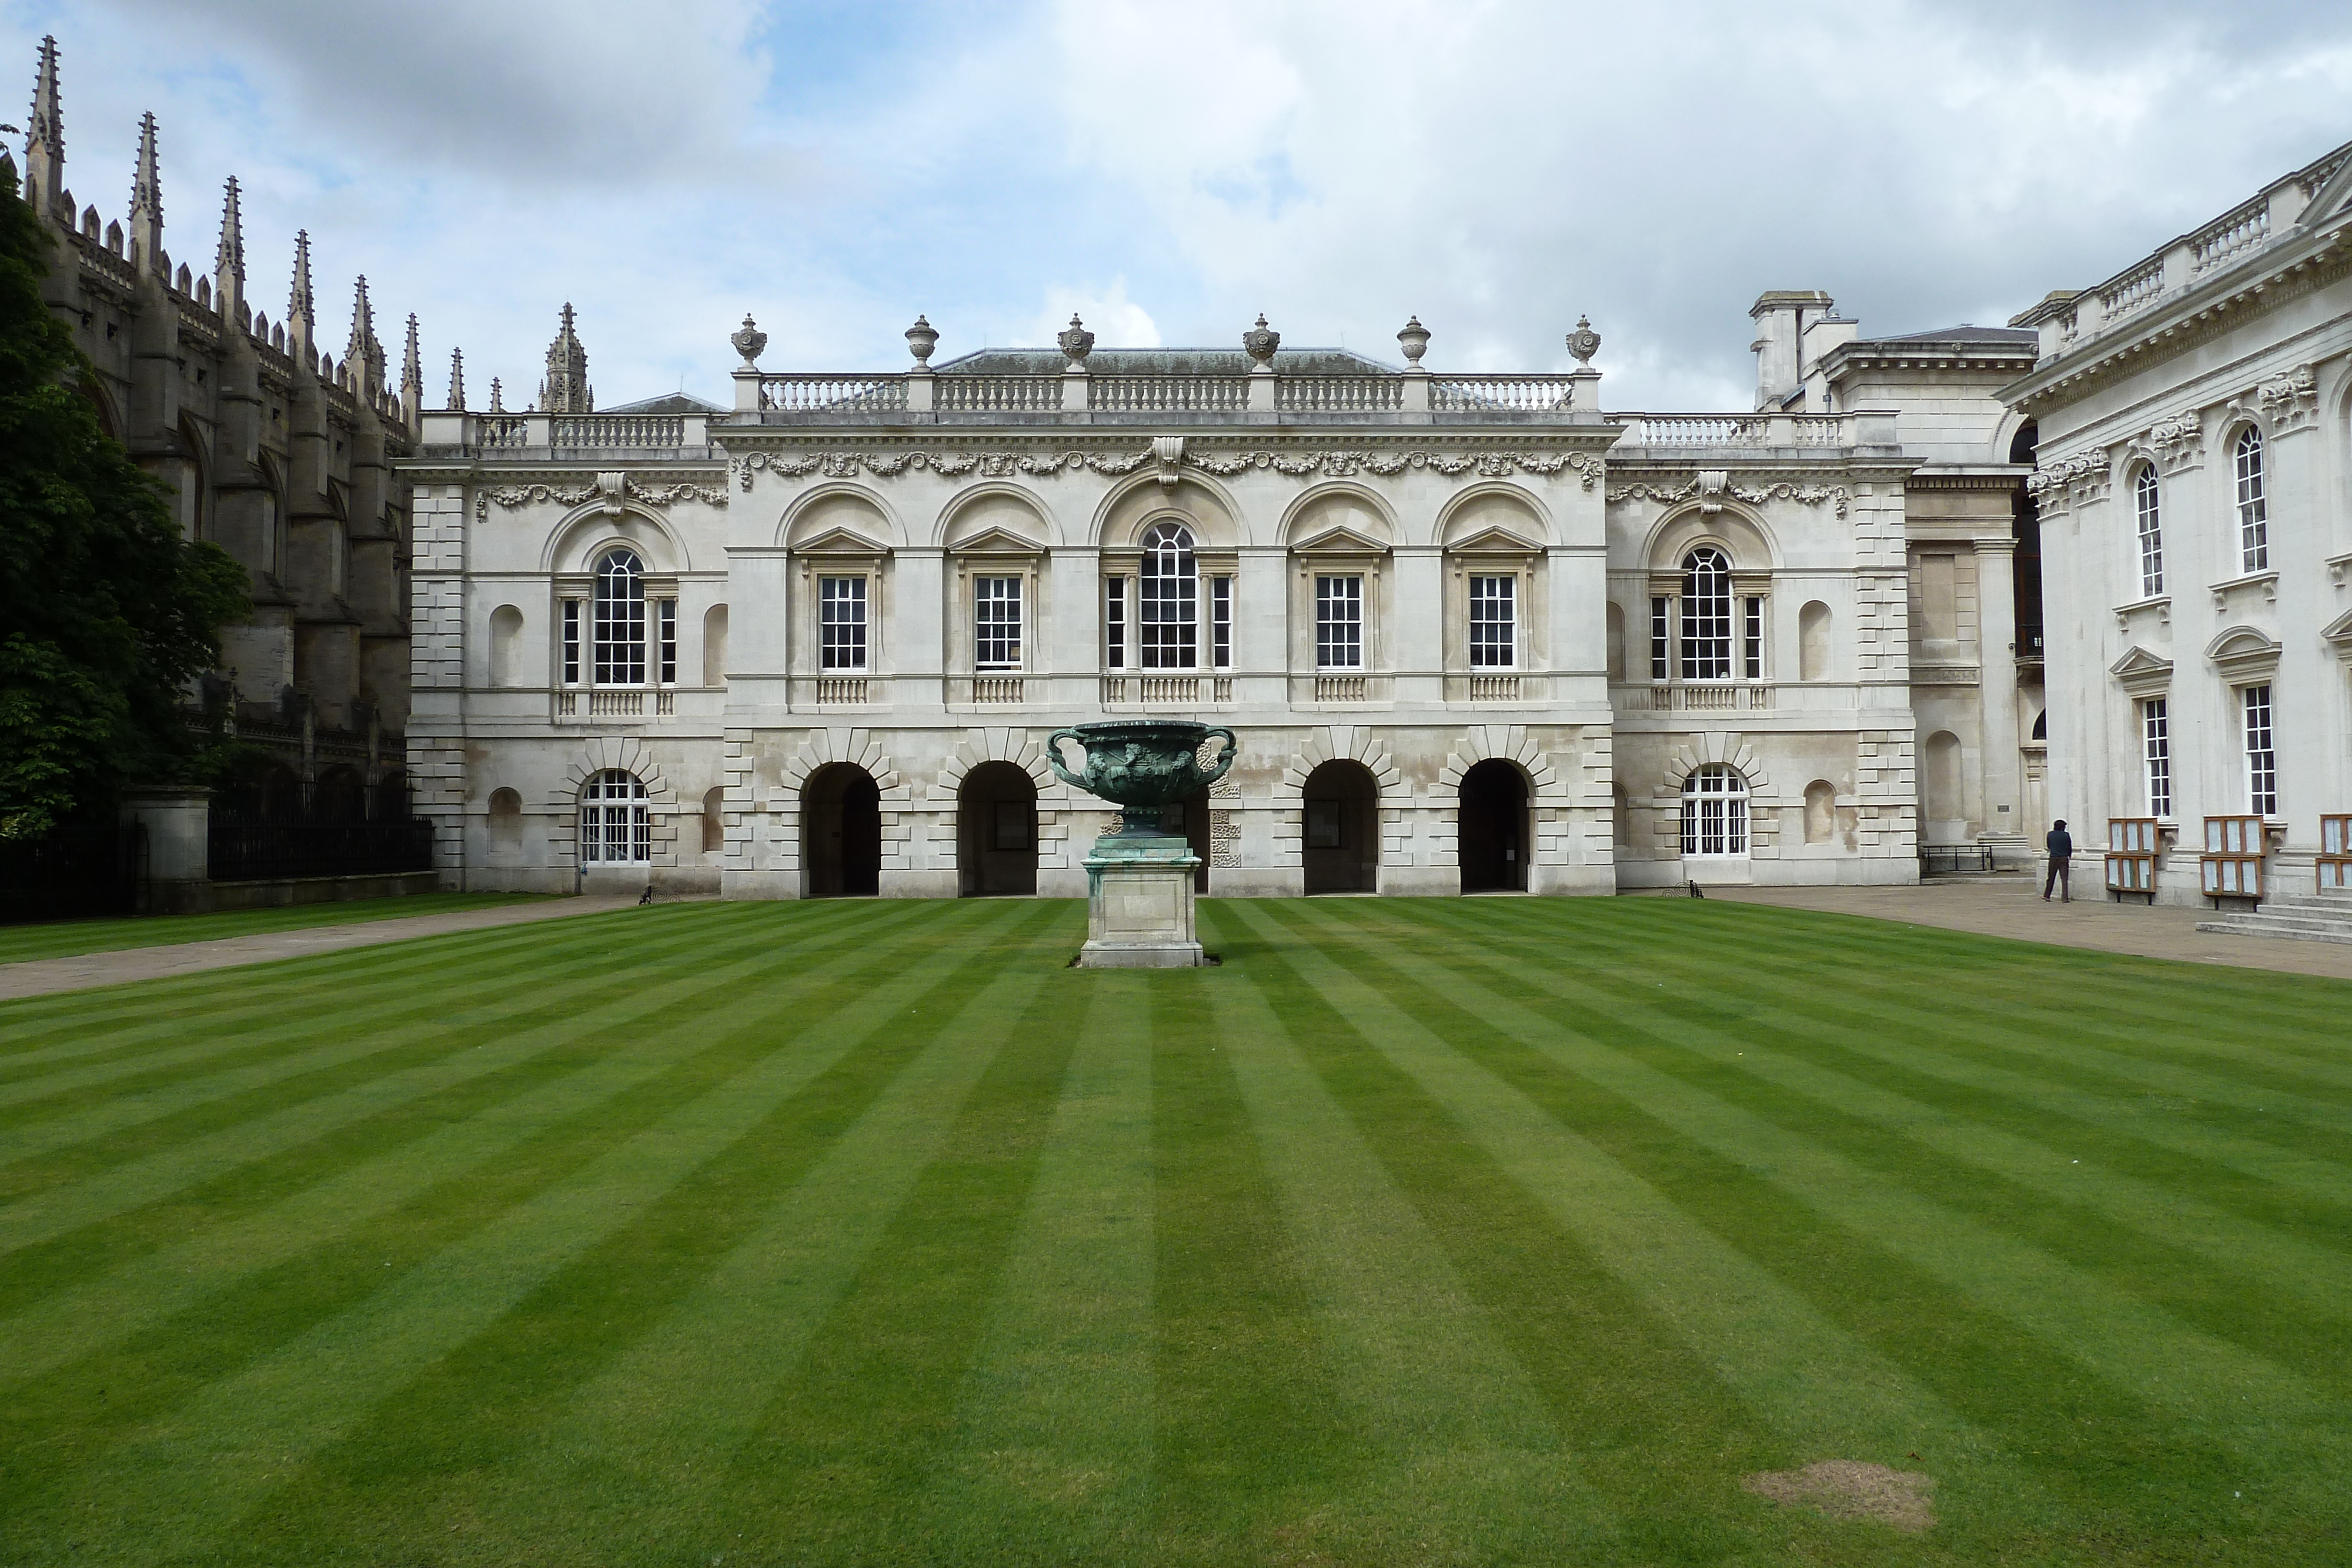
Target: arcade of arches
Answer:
[[1492, 830], [841, 832], [1340, 829], [996, 832]]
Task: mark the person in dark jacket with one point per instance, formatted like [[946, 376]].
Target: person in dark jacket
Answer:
[[2061, 845]]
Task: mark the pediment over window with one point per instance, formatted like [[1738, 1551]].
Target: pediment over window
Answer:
[[1341, 540], [993, 540], [2142, 674], [2243, 655], [841, 542], [2338, 634], [1493, 541]]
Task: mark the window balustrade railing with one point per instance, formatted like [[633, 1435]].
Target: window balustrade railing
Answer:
[[613, 702], [832, 394], [1711, 698], [998, 394], [617, 429], [996, 688], [1340, 688], [1498, 394], [496, 430], [2134, 291], [1168, 394], [1820, 429], [844, 691], [1494, 688], [2231, 235], [1339, 394]]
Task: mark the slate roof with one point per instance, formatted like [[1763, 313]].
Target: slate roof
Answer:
[[1991, 336], [668, 402]]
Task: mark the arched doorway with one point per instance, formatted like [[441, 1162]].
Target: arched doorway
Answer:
[[339, 796], [841, 831], [996, 832], [1341, 828], [1492, 830]]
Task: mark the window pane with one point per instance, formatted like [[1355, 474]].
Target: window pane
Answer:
[[1169, 632], [1715, 811], [1660, 634], [620, 620], [2253, 510], [1706, 616], [1752, 641], [1494, 623], [668, 641], [1114, 623], [570, 641], [1339, 622], [1221, 622], [996, 621], [841, 622], [2261, 760], [2151, 534]]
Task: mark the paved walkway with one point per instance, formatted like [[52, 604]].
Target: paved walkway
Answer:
[[40, 977], [2012, 906]]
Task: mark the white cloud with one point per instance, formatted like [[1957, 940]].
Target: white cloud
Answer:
[[1117, 321], [1494, 167]]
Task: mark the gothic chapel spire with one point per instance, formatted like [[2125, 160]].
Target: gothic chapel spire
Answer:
[[228, 261], [412, 376], [147, 201], [301, 316], [566, 389], [45, 136]]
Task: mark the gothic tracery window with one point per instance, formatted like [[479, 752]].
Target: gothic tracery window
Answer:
[[2146, 507], [2253, 509]]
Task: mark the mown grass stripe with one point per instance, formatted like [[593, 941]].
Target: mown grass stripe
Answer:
[[640, 1388], [1056, 1425], [79, 938], [1953, 1058], [1470, 1462], [79, 1318], [1251, 1437], [1822, 1390], [2114, 1335], [145, 1179], [90, 1103], [196, 1461]]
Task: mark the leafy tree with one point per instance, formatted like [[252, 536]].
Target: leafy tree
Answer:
[[105, 612]]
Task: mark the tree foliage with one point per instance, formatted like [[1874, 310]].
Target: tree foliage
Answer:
[[105, 612]]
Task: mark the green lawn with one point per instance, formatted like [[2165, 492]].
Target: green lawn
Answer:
[[72, 938], [1420, 1232]]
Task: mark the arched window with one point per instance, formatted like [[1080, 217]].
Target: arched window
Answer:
[[1706, 615], [615, 827], [1715, 811], [1169, 633], [2151, 534], [2254, 511], [620, 620]]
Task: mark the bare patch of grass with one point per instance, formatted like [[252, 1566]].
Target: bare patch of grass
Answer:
[[1852, 1489]]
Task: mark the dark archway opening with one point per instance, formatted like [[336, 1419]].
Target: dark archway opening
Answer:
[[996, 832], [1493, 829], [1340, 829], [339, 796], [1189, 817], [841, 831]]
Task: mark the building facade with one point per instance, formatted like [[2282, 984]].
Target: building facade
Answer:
[[274, 448], [2194, 490], [1474, 632]]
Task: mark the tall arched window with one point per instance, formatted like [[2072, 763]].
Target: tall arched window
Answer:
[[1169, 633], [620, 620], [1715, 811], [615, 827], [2254, 511], [2151, 534], [1706, 615]]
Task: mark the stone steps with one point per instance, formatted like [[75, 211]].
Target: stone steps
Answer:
[[2298, 918]]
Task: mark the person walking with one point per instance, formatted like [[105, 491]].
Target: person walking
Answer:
[[2061, 845]]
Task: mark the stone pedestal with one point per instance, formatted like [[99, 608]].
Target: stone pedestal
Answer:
[[1139, 904], [178, 818]]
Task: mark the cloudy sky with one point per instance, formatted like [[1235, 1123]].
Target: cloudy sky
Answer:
[[1171, 169]]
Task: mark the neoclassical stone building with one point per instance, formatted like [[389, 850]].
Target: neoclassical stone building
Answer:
[[275, 449], [1474, 631], [2195, 492]]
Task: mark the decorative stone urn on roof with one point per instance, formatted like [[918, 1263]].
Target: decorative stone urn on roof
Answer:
[[748, 340], [1139, 878], [1260, 341], [921, 340], [1076, 342]]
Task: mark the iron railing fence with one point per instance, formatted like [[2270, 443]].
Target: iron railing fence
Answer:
[[1947, 860], [242, 847], [74, 874]]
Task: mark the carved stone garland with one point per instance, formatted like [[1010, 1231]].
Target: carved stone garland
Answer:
[[1333, 464], [1754, 495], [511, 497]]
